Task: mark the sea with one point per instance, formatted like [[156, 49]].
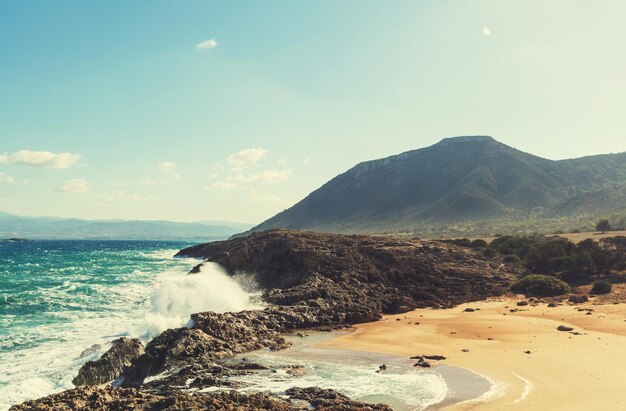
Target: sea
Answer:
[[62, 302]]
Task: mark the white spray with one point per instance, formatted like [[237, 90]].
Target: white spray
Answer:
[[179, 295]]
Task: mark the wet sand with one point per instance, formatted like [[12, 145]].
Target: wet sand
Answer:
[[563, 371]]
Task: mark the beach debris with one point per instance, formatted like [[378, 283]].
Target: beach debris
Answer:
[[469, 310], [564, 328], [526, 352], [465, 350]]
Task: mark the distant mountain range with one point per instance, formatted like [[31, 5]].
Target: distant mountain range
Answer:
[[460, 179], [13, 226]]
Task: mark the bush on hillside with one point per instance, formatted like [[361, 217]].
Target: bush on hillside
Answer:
[[601, 287], [536, 285], [478, 244], [489, 252], [511, 259]]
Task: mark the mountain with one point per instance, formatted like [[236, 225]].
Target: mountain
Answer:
[[459, 179], [64, 228]]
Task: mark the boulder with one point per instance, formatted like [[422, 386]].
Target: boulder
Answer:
[[111, 364]]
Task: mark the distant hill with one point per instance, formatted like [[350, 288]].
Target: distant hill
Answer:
[[459, 179], [13, 226]]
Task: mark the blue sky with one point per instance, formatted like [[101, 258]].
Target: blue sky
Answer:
[[236, 110]]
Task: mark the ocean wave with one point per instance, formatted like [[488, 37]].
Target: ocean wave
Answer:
[[179, 295]]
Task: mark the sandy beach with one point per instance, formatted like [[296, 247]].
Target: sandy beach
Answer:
[[580, 370]]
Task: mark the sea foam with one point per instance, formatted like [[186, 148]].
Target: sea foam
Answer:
[[179, 295]]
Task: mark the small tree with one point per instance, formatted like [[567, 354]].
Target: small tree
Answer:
[[603, 225]]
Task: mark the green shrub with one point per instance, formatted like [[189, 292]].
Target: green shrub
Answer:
[[512, 259], [536, 285], [489, 252], [601, 287]]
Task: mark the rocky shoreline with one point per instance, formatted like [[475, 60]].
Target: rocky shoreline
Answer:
[[309, 281]]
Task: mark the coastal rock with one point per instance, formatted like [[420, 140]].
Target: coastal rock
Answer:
[[109, 398], [578, 299], [122, 353], [564, 328], [386, 274], [330, 400]]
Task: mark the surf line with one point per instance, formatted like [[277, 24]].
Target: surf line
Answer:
[[528, 387]]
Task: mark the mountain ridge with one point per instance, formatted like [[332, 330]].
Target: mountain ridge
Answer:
[[12, 225], [458, 179]]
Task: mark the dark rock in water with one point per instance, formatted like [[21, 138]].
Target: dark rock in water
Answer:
[[423, 364], [331, 400], [578, 299], [111, 364], [564, 328]]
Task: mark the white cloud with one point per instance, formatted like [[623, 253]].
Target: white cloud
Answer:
[[207, 44], [305, 161], [171, 179], [6, 179], [224, 185], [42, 159], [247, 157], [265, 176], [166, 166], [73, 186], [282, 161], [487, 31], [213, 176]]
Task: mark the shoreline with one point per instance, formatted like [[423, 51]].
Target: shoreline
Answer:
[[498, 340]]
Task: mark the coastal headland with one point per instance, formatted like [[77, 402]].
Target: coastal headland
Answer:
[[402, 296]]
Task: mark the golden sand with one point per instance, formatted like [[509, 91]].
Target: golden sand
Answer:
[[563, 371]]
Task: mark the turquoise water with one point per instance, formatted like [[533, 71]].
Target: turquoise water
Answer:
[[58, 298]]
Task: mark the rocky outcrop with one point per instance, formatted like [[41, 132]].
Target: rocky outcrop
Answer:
[[94, 398], [326, 399], [111, 364], [374, 273]]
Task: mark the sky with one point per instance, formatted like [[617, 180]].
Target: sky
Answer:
[[203, 110]]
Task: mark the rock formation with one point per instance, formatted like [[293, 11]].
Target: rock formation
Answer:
[[310, 281]]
